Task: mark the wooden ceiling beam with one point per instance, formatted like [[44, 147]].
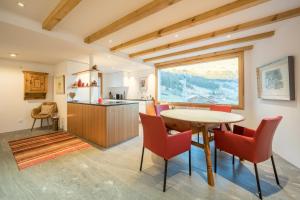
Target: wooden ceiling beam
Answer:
[[198, 19], [198, 58], [59, 12], [148, 9], [229, 30], [215, 45]]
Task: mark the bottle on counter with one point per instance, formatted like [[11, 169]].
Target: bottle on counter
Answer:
[[110, 95]]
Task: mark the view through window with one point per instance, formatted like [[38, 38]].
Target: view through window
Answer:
[[214, 82]]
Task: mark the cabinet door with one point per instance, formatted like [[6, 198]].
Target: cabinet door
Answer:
[[75, 119], [122, 123], [94, 124], [27, 82], [36, 83]]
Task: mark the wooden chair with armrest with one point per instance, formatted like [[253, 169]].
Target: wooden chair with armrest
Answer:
[[36, 113]]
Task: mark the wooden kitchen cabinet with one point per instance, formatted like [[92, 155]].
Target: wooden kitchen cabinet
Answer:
[[103, 125], [35, 85]]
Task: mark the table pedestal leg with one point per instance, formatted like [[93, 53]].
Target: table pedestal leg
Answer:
[[210, 177], [228, 127]]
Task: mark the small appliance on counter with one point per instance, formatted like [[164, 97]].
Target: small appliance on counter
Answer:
[[120, 96]]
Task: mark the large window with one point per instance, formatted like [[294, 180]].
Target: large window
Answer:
[[217, 81]]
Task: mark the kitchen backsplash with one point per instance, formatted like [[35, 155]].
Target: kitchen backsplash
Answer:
[[117, 90]]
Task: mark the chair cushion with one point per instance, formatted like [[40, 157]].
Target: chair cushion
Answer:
[[46, 109], [41, 116]]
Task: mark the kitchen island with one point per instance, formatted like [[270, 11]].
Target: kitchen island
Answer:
[[105, 124]]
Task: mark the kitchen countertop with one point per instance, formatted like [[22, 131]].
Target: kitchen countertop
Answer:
[[129, 99], [105, 103]]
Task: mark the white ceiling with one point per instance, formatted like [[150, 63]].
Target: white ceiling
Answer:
[[256, 12], [21, 31], [33, 46], [103, 12], [34, 9]]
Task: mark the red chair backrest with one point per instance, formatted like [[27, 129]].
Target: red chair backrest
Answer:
[[159, 108], [155, 134], [264, 137], [222, 108]]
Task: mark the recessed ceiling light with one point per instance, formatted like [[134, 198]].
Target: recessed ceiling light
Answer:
[[13, 55], [110, 41], [228, 36], [176, 35], [21, 4]]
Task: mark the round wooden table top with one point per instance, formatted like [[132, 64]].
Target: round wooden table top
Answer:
[[202, 116]]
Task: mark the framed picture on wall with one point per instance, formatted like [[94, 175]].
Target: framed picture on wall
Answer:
[[143, 83], [59, 84], [276, 80]]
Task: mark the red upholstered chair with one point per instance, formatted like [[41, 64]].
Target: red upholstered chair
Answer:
[[159, 108], [159, 142], [220, 108], [252, 145]]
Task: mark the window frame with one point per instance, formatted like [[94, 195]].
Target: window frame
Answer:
[[239, 55]]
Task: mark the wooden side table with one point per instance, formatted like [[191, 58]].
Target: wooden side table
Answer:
[[55, 121]]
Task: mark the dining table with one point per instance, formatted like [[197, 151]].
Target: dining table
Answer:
[[199, 120]]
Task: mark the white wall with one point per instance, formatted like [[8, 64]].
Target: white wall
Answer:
[[118, 82], [14, 110], [67, 68], [134, 91], [61, 99], [286, 42]]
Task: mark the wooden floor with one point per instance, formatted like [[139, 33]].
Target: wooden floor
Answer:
[[113, 174]]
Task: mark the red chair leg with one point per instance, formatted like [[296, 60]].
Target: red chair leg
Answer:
[[190, 163], [275, 171], [165, 175], [257, 181], [215, 163], [141, 165]]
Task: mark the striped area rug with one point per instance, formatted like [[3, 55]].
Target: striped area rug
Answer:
[[38, 149]]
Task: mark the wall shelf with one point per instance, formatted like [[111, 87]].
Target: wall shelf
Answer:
[[84, 71], [85, 87]]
